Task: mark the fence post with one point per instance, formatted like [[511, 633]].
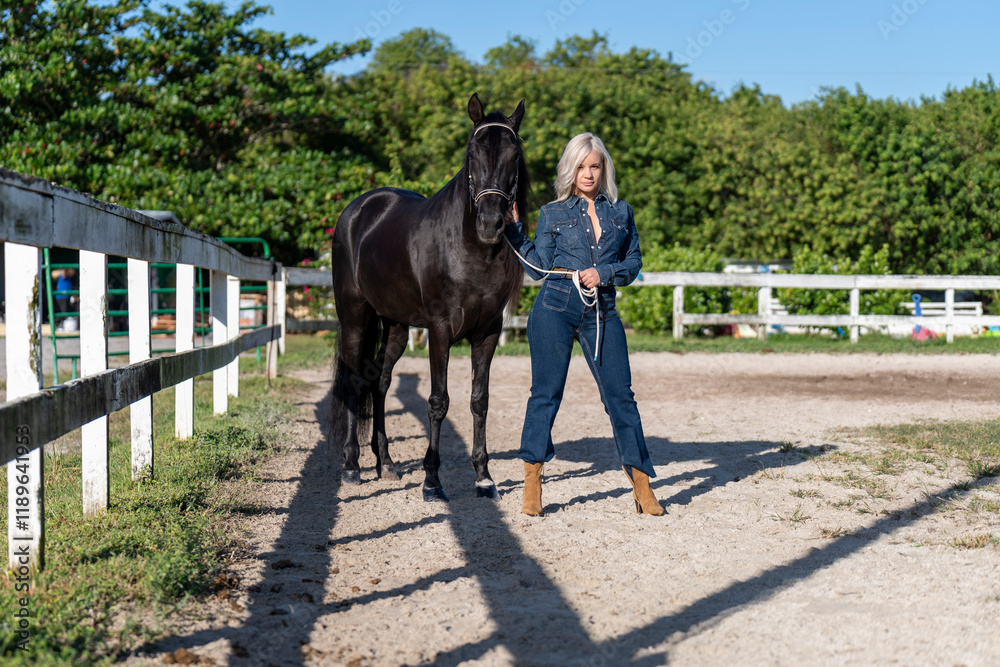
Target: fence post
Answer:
[[764, 310], [220, 314], [678, 312], [184, 391], [855, 313], [26, 522], [141, 412], [94, 360], [280, 305], [949, 314], [271, 350], [233, 329]]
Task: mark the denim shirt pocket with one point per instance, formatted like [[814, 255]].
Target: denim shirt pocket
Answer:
[[567, 233], [620, 222]]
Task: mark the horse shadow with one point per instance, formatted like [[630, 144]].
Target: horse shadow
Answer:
[[528, 610]]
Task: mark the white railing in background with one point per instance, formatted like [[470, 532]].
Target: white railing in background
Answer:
[[769, 313], [854, 320], [35, 214], [936, 315]]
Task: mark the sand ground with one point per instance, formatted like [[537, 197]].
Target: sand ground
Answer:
[[777, 549]]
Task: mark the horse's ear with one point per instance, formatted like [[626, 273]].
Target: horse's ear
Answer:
[[475, 109], [515, 118]]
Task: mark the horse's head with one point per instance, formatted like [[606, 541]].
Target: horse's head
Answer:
[[497, 174]]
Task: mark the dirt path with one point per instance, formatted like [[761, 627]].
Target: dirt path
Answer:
[[777, 549]]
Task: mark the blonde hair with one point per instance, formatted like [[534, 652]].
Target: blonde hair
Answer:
[[578, 148]]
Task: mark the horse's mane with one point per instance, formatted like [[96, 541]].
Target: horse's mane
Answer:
[[514, 274]]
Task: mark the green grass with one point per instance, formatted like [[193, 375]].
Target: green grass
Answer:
[[779, 343], [161, 540], [975, 541], [301, 351], [975, 443], [787, 344]]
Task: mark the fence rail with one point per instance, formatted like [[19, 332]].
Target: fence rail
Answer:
[[35, 214]]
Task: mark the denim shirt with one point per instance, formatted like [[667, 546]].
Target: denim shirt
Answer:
[[564, 237]]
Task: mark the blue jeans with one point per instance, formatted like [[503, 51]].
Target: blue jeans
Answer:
[[558, 317]]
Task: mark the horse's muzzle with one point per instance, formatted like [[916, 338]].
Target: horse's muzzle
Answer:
[[490, 230]]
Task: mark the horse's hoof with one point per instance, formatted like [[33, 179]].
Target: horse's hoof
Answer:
[[388, 472], [487, 491], [434, 494], [350, 477]]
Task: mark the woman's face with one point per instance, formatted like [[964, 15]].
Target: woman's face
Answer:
[[588, 175]]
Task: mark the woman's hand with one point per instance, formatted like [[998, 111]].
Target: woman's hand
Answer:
[[512, 215], [590, 278]]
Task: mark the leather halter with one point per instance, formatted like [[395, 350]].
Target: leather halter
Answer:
[[495, 191]]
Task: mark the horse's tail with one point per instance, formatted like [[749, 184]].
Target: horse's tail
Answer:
[[370, 372], [352, 391]]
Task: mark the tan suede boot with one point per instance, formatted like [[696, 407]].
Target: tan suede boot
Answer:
[[532, 489], [645, 501]]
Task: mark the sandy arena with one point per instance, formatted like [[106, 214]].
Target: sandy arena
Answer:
[[769, 554]]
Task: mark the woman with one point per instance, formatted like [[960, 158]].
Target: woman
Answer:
[[589, 232]]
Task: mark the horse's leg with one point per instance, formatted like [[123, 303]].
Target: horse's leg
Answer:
[[349, 389], [437, 408], [482, 358], [393, 345]]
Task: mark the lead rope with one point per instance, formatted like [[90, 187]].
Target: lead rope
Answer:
[[584, 292]]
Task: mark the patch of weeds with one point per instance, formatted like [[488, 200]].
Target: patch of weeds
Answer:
[[766, 473], [875, 487], [847, 503], [975, 541], [887, 463], [797, 516], [978, 504], [975, 443], [787, 447], [980, 469], [805, 493], [832, 533]]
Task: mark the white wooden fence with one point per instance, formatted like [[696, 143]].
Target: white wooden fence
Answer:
[[854, 320], [944, 315], [35, 214]]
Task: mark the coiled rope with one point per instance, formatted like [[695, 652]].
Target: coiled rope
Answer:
[[587, 294]]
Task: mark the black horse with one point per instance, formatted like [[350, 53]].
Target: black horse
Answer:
[[440, 263]]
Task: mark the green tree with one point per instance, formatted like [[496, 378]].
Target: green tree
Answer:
[[189, 110], [412, 49]]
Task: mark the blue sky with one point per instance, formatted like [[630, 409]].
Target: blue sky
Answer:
[[899, 48]]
